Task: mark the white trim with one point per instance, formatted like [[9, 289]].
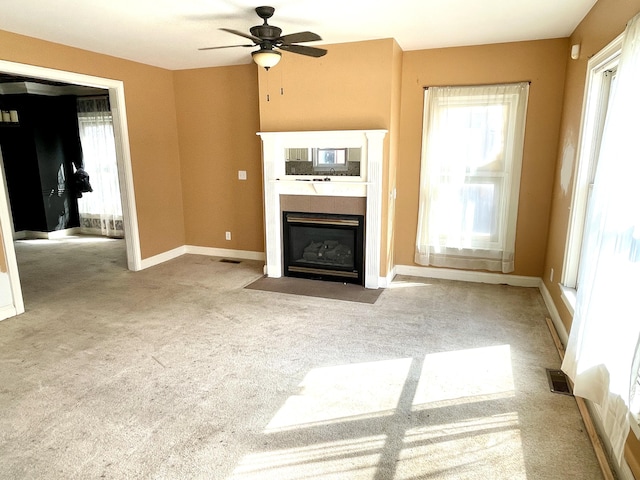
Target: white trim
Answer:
[[6, 227], [162, 257], [468, 276], [590, 111], [123, 154], [196, 250], [568, 296], [55, 234], [384, 282], [555, 315], [225, 252], [8, 312], [373, 222], [13, 88]]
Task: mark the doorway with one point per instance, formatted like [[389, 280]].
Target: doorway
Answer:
[[11, 301]]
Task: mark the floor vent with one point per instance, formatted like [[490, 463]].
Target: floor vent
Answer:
[[558, 382], [227, 260]]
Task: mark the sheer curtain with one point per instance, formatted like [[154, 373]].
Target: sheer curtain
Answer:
[[470, 176], [602, 351], [100, 210]]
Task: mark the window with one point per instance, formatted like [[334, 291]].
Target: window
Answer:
[[600, 85], [330, 157], [470, 176]]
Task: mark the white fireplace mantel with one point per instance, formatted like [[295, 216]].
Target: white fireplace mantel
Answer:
[[368, 184]]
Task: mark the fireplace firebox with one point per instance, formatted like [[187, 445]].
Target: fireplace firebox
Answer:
[[324, 246]]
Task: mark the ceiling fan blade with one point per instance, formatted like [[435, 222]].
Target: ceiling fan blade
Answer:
[[242, 34], [226, 46], [300, 37], [304, 50]]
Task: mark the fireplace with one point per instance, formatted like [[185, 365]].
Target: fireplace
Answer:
[[323, 246], [365, 182]]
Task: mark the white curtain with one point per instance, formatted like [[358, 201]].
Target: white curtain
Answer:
[[602, 351], [470, 176], [100, 210]]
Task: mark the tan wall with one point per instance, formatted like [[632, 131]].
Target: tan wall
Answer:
[[542, 63], [351, 88], [217, 111], [152, 130], [605, 21]]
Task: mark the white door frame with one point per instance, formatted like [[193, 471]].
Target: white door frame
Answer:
[[123, 158]]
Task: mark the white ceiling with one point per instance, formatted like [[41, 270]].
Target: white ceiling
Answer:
[[168, 33]]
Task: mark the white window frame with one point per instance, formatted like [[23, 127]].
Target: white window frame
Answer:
[[596, 97]]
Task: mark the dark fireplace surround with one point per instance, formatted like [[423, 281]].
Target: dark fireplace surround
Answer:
[[323, 246]]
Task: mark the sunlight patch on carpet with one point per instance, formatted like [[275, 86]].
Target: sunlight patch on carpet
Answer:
[[334, 394], [464, 376]]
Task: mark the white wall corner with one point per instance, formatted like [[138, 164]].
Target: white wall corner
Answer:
[[384, 282]]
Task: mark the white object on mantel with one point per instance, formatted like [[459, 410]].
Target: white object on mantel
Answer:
[[368, 184]]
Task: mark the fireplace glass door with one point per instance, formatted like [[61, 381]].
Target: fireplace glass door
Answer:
[[323, 246]]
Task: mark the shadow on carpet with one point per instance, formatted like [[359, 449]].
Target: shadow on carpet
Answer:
[[316, 288]]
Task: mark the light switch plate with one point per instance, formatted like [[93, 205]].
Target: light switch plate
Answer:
[[242, 175]]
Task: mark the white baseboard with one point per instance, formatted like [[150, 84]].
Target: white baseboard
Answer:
[[35, 235], [7, 312], [195, 250], [555, 315], [467, 276], [162, 257], [224, 252]]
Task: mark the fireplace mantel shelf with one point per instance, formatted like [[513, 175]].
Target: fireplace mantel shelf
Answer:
[[326, 182]]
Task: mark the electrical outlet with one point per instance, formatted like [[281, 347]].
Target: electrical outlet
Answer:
[[227, 235], [242, 174]]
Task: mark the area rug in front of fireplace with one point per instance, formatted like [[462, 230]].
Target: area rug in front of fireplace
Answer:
[[317, 288]]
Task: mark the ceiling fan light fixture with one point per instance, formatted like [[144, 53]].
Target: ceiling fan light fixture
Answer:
[[266, 58]]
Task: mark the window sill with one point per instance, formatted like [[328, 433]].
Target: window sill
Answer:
[[568, 297]]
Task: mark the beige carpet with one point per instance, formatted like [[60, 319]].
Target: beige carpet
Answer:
[[179, 372]]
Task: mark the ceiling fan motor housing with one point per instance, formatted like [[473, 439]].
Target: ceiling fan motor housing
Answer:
[[266, 32]]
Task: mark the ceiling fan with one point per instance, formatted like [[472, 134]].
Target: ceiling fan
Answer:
[[269, 38]]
